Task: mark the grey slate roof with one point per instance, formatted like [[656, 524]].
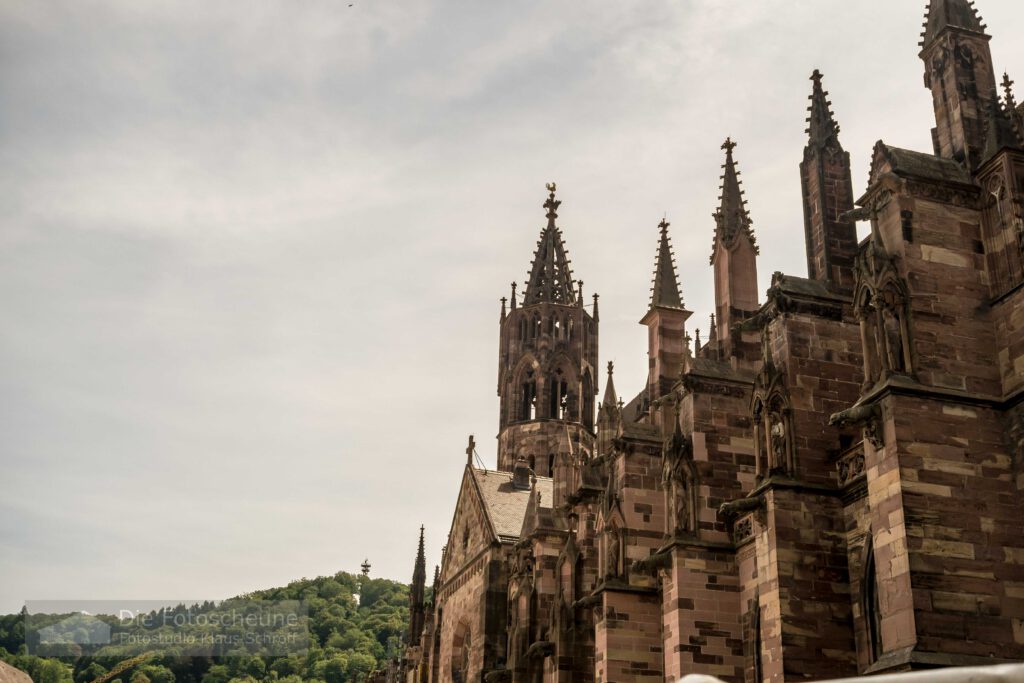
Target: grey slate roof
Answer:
[[505, 504], [928, 166]]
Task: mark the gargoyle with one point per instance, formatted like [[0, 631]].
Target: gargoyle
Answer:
[[735, 508], [651, 564], [857, 415]]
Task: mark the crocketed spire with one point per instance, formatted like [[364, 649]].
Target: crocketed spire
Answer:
[[550, 276], [731, 218], [665, 291], [942, 14], [822, 129], [417, 611], [610, 400]]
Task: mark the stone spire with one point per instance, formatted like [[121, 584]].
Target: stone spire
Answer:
[[665, 290], [943, 14], [734, 259], [731, 218], [417, 611], [959, 72], [822, 129], [436, 586], [827, 190], [550, 276], [610, 399]]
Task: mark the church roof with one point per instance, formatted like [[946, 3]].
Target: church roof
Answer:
[[506, 505], [665, 288], [999, 129], [944, 14], [905, 162], [550, 275]]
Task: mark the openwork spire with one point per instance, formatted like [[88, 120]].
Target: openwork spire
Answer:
[[550, 276], [665, 291], [731, 218], [943, 14], [822, 129], [610, 399]]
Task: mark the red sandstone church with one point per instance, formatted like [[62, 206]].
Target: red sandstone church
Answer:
[[830, 484]]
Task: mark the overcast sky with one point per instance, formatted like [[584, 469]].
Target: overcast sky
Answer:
[[251, 254]]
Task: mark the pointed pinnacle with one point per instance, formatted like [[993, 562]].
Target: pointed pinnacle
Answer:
[[610, 398], [822, 126], [732, 218], [665, 291]]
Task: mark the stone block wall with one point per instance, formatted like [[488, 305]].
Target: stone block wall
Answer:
[[702, 627], [628, 644], [962, 511]]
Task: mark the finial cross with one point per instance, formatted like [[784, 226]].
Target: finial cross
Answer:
[[552, 204], [728, 145], [1007, 87]]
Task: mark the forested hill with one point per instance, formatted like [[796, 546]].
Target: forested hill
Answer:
[[346, 640]]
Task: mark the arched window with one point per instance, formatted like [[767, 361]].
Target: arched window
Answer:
[[528, 397], [551, 465], [869, 604], [587, 417], [760, 466], [558, 395]]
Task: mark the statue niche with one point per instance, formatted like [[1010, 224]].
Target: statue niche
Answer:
[[773, 448], [679, 480], [880, 304], [613, 554]]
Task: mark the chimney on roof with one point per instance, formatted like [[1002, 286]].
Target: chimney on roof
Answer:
[[521, 474]]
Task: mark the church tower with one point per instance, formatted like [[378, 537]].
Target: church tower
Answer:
[[959, 72], [547, 361], [828, 194], [734, 261]]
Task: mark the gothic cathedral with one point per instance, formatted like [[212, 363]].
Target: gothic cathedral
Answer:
[[830, 484]]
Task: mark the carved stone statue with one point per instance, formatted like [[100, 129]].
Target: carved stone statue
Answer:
[[893, 331], [614, 550], [681, 496], [777, 439]]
